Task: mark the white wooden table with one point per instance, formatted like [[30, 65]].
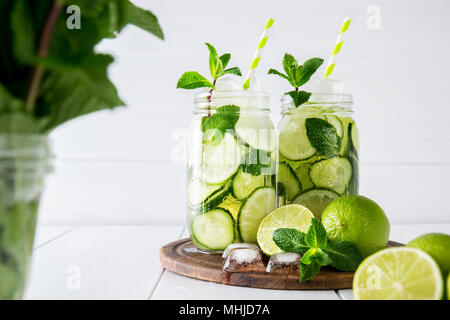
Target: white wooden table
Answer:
[[121, 262]]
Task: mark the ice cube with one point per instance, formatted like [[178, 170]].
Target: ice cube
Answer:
[[233, 246], [244, 260], [284, 262]]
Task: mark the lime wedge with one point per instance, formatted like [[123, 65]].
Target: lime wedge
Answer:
[[290, 216], [398, 274]]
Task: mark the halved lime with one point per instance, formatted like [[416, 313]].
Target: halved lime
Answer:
[[290, 216], [398, 274]]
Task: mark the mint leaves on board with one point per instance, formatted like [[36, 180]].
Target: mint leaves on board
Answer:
[[316, 251], [298, 75], [217, 65], [323, 136], [50, 74]]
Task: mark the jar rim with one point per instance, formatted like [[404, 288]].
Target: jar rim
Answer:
[[202, 96]]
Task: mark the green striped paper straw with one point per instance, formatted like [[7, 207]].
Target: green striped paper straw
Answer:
[[337, 47], [257, 57]]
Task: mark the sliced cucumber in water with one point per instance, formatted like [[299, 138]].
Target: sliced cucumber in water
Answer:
[[354, 137], [337, 124], [214, 199], [245, 183], [221, 161], [316, 200], [199, 191], [333, 173], [353, 184], [257, 131], [260, 203], [302, 173], [293, 141], [214, 230], [288, 178]]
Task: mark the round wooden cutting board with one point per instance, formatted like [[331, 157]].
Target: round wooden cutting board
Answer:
[[183, 258]]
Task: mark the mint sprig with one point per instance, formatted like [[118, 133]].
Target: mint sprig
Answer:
[[298, 75], [316, 251], [323, 136], [215, 126], [217, 65]]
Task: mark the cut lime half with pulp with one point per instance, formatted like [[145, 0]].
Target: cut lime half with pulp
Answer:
[[290, 216], [398, 274]]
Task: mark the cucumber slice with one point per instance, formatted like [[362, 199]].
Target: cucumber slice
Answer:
[[316, 200], [214, 229], [302, 173], [290, 182], [293, 141], [353, 184], [214, 199], [337, 124], [220, 162], [257, 132], [333, 173], [245, 183], [345, 136], [353, 137], [199, 191], [260, 203]]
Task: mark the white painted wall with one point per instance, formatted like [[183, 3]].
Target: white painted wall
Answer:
[[116, 168]]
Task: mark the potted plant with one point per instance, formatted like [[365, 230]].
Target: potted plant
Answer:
[[49, 74]]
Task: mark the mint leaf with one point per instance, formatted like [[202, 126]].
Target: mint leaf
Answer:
[[215, 64], [225, 58], [24, 40], [316, 237], [278, 73], [234, 70], [309, 68], [290, 240], [216, 125], [8, 103], [299, 97], [193, 80], [20, 122], [345, 255], [289, 65], [143, 19], [323, 136], [316, 255], [308, 271]]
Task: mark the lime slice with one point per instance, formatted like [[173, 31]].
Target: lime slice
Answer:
[[398, 274], [290, 216]]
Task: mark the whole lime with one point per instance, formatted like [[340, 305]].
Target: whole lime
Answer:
[[359, 220], [436, 245]]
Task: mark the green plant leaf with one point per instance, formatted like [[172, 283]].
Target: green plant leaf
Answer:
[[8, 103], [345, 255], [289, 65], [234, 70], [216, 125], [193, 80], [225, 58], [310, 66], [316, 237], [290, 240], [144, 19], [24, 35], [20, 122], [323, 136], [278, 73], [308, 271], [316, 255], [214, 62], [299, 97], [256, 161]]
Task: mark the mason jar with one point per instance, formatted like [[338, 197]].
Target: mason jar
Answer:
[[24, 163], [318, 150], [232, 159]]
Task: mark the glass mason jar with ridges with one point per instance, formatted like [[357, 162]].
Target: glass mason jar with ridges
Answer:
[[318, 151], [232, 158]]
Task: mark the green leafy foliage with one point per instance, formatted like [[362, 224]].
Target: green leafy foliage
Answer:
[[316, 251], [298, 75], [50, 74], [256, 162], [216, 125], [217, 65], [323, 136]]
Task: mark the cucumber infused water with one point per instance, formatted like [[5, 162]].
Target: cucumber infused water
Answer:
[[232, 157], [318, 150]]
